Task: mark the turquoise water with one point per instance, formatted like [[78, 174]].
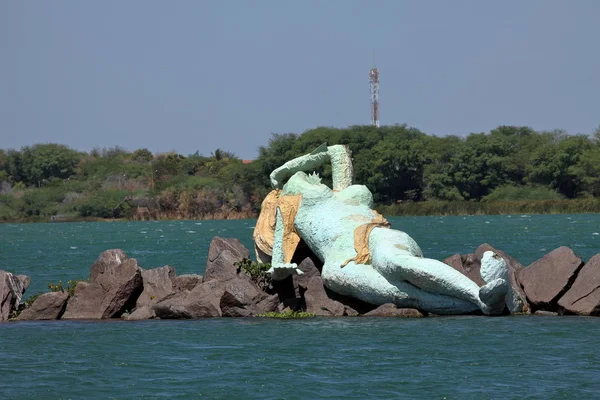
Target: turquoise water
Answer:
[[355, 358]]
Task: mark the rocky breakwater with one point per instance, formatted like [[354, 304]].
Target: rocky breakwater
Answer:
[[233, 286], [559, 283]]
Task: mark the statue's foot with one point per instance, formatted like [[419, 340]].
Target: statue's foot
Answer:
[[493, 296]]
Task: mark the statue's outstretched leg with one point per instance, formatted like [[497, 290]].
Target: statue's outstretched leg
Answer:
[[394, 261]]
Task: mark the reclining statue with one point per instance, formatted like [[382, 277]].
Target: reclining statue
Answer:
[[362, 256]]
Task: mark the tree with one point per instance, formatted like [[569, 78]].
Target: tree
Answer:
[[42, 162]]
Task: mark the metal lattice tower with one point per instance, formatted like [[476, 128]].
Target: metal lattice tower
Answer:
[[374, 85]]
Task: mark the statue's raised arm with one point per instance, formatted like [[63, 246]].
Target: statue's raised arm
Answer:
[[341, 166]]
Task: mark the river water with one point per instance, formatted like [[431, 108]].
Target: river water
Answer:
[[354, 358]]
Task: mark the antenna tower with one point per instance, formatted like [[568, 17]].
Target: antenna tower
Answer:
[[374, 86]]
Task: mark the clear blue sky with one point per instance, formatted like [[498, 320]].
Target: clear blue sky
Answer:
[[199, 75]]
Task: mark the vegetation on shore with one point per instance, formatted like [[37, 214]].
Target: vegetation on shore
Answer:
[[508, 170]]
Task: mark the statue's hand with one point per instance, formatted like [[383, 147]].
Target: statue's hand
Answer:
[[282, 271]]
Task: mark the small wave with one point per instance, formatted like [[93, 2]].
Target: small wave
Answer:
[[595, 233], [73, 247], [191, 232]]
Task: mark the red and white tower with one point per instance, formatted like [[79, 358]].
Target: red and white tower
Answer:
[[374, 85]]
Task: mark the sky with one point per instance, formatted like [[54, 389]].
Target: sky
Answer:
[[198, 75]]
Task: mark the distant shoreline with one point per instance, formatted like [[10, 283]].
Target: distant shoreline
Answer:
[[404, 209]]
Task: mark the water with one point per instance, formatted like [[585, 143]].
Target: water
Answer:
[[355, 358]]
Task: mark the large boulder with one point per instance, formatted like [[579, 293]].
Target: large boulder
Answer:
[[12, 288], [548, 279], [317, 301], [201, 302], [141, 313], [391, 310], [240, 298], [468, 265], [583, 297], [114, 286], [158, 284], [47, 306], [186, 282], [223, 253]]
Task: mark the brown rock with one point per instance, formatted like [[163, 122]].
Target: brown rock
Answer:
[[269, 304], [201, 302], [115, 284], [222, 255], [468, 265], [240, 293], [141, 313], [158, 283], [317, 301], [390, 310], [47, 306], [547, 279], [186, 282], [12, 288], [583, 297]]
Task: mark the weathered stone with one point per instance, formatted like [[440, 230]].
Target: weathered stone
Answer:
[[516, 300], [548, 279], [223, 253], [240, 293], [186, 282], [25, 280], [269, 304], [201, 302], [317, 301], [390, 310], [108, 259], [583, 298], [309, 269], [47, 306], [115, 284], [350, 312], [12, 288], [141, 313], [158, 283]]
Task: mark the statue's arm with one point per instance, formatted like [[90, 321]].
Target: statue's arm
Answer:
[[279, 268], [303, 163]]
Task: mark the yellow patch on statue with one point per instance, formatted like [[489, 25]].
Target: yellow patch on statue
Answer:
[[361, 239], [264, 231]]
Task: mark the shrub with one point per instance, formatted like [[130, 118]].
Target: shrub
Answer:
[[513, 193]]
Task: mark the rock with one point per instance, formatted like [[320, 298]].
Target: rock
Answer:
[[12, 288], [317, 301], [107, 260], [516, 300], [47, 306], [158, 284], [350, 312], [468, 265], [309, 269], [545, 313], [583, 298], [141, 313], [240, 293], [115, 284], [186, 282], [201, 302], [269, 304], [548, 279], [222, 255], [390, 310]]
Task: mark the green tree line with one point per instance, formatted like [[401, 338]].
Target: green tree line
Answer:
[[399, 164]]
